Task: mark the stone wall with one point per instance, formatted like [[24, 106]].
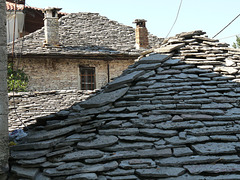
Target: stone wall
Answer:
[[26, 107], [52, 73]]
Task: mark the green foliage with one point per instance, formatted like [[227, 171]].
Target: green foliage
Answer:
[[237, 44], [17, 80]]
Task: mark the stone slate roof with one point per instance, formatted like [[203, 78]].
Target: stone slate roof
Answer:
[[85, 33], [174, 114]]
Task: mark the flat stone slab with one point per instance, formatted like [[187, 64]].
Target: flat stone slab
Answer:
[[160, 172], [155, 58], [120, 172], [182, 151], [187, 160], [36, 145], [33, 161], [147, 153], [84, 154], [181, 125], [30, 173], [52, 172], [45, 135], [187, 140], [117, 132], [215, 130], [124, 79], [216, 148], [80, 137], [104, 98], [158, 132], [169, 48], [213, 168], [99, 142], [29, 154], [129, 146], [137, 164], [86, 176]]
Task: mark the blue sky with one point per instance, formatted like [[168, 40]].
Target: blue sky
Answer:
[[207, 15]]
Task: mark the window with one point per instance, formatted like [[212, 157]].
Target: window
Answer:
[[87, 78]]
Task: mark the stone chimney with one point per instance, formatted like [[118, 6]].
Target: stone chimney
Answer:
[[51, 26], [141, 34]]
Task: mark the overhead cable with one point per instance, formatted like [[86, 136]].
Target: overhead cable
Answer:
[[227, 26], [179, 8]]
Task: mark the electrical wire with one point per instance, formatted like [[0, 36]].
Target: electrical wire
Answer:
[[13, 55], [229, 36], [179, 8], [226, 26]]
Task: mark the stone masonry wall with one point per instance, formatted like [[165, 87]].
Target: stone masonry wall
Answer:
[[3, 93], [31, 105], [51, 74]]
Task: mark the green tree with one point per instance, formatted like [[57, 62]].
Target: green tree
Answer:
[[17, 80], [237, 44]]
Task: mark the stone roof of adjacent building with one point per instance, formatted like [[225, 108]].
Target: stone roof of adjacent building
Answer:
[[84, 33], [174, 114]]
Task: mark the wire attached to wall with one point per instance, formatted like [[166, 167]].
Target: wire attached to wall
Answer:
[[179, 8], [226, 26], [13, 55]]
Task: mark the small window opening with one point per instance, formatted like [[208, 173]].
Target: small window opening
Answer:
[[87, 78]]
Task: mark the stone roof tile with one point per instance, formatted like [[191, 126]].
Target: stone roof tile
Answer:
[[176, 120]]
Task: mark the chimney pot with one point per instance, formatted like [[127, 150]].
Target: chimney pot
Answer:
[[51, 26], [141, 34]]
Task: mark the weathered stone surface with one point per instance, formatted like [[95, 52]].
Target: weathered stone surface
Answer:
[[86, 169], [61, 151], [120, 172], [148, 66], [180, 125], [224, 138], [215, 130], [118, 115], [125, 79], [147, 153], [87, 176], [129, 146], [99, 142], [158, 132], [30, 173], [213, 168], [138, 138], [117, 132], [156, 118], [160, 172], [84, 154], [81, 137], [36, 145], [45, 135], [169, 48], [29, 154], [154, 58], [203, 117], [188, 140], [104, 98], [33, 161], [182, 151], [216, 148], [129, 177], [173, 161], [71, 165], [137, 164]]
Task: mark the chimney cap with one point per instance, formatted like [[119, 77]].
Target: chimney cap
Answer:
[[139, 20], [51, 9]]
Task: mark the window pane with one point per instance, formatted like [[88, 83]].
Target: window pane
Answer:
[[87, 78]]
